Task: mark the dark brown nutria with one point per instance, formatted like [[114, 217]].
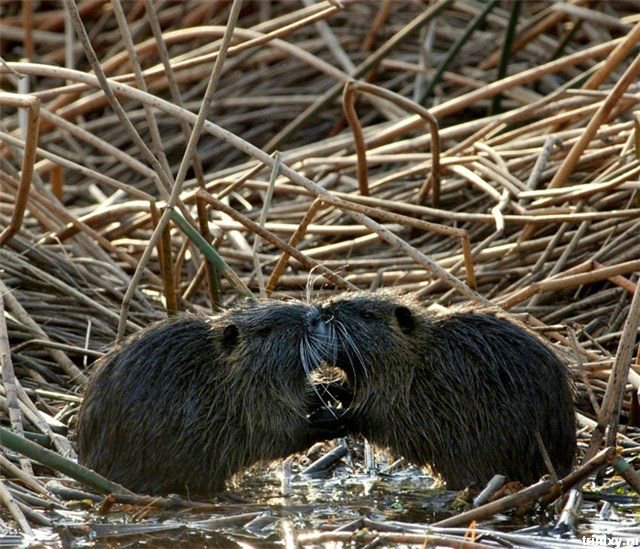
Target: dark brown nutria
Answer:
[[463, 392], [187, 403]]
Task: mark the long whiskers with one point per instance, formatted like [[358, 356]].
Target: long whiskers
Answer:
[[316, 348], [356, 360], [311, 282]]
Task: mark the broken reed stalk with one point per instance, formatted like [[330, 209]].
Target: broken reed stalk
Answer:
[[506, 51], [212, 256], [12, 506], [626, 471], [349, 108], [58, 463], [211, 271], [295, 239], [545, 489], [611, 405], [168, 275], [432, 183], [453, 51], [32, 105], [275, 171]]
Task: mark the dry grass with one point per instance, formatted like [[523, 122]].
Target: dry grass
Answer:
[[519, 192]]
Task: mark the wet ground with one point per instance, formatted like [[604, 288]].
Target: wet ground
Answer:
[[258, 514]]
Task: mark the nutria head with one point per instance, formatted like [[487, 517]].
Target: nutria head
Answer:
[[373, 340]]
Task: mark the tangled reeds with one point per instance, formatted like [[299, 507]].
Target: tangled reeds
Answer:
[[163, 157]]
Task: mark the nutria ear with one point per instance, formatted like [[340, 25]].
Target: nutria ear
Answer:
[[230, 335], [405, 318]]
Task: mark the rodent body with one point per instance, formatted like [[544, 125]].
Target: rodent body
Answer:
[[464, 392], [187, 403]]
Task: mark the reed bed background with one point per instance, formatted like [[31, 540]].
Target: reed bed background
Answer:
[[158, 157]]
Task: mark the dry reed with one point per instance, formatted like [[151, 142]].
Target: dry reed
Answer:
[[531, 180]]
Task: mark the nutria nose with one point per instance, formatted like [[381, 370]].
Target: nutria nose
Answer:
[[316, 323]]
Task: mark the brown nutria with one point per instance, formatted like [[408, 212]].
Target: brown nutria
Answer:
[[189, 402], [463, 392]]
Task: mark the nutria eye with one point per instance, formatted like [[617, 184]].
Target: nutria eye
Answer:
[[405, 318], [230, 335], [367, 315]]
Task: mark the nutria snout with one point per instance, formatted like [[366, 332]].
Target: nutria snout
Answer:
[[184, 405], [462, 392]]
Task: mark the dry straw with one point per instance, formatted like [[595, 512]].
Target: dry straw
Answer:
[[137, 178]]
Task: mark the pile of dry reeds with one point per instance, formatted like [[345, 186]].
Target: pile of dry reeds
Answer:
[[169, 156]]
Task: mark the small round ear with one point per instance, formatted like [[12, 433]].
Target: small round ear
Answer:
[[405, 318], [230, 335]]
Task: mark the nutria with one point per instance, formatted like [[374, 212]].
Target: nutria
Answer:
[[187, 403], [462, 392]]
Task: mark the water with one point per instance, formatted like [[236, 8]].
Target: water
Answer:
[[349, 498]]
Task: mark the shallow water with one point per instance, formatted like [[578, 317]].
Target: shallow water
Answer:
[[348, 498]]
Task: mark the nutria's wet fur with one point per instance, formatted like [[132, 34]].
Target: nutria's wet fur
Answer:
[[461, 392], [187, 403]]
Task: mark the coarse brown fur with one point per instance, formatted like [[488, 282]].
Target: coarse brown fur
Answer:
[[463, 392], [187, 403]]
